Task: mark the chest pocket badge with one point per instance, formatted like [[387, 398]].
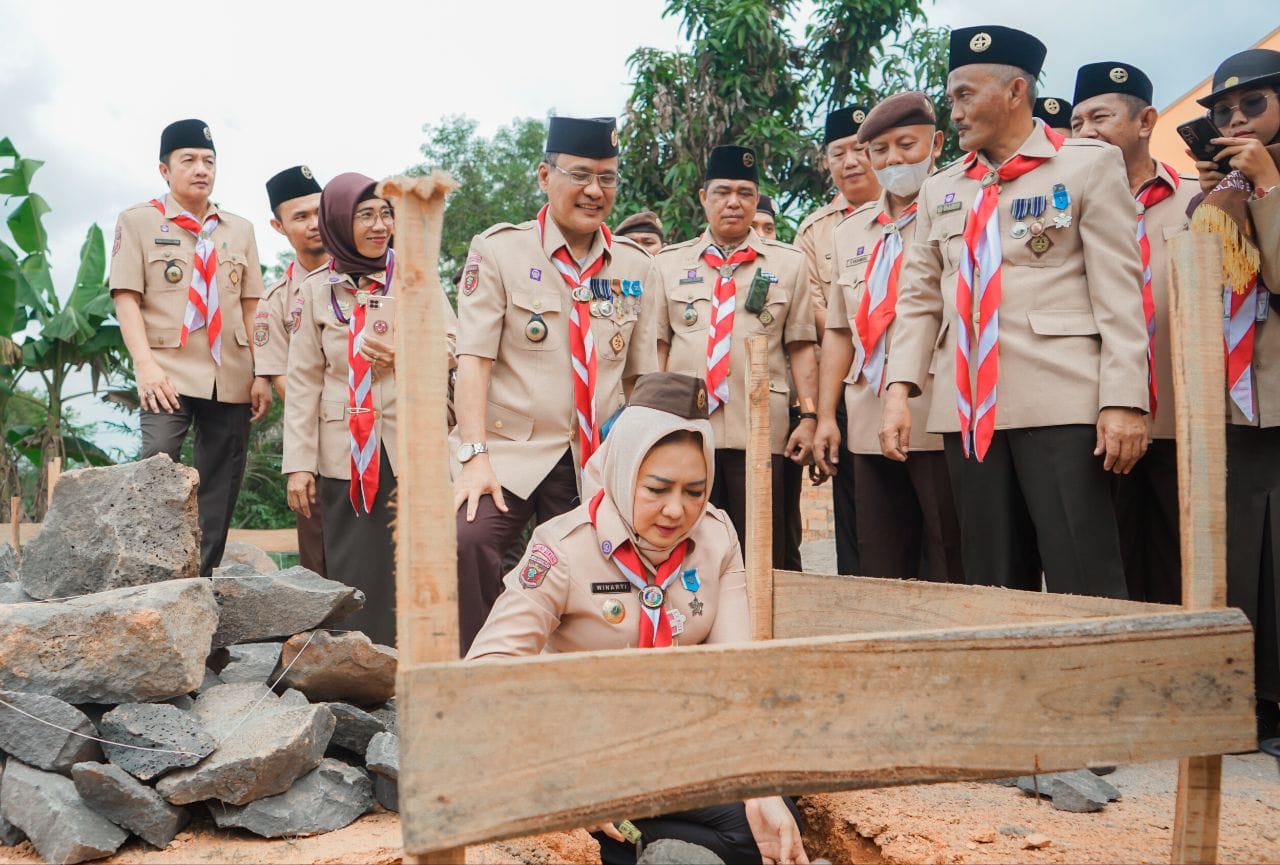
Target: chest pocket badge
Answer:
[[536, 329], [173, 272], [690, 314]]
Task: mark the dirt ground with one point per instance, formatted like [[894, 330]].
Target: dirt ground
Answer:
[[935, 825]]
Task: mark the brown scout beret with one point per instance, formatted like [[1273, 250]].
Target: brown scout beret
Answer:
[[646, 221], [675, 393], [912, 108]]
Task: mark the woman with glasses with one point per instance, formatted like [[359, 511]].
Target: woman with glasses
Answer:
[[340, 418], [1241, 205]]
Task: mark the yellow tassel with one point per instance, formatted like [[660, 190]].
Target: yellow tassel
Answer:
[[1240, 259]]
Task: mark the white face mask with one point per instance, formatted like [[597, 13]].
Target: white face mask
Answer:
[[904, 180]]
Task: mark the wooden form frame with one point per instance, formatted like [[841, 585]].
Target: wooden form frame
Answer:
[[853, 683]]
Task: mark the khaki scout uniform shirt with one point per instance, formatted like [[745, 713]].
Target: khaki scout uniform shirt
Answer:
[[509, 280], [1266, 339], [688, 282], [147, 243], [565, 610], [279, 317], [853, 240], [1167, 219], [1073, 338], [316, 436], [813, 238]]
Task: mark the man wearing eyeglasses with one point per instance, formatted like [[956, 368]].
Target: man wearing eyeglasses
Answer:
[[555, 323], [719, 290], [185, 281], [1113, 104]]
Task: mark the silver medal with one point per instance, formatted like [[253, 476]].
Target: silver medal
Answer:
[[1019, 230]]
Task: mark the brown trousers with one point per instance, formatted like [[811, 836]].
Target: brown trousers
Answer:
[[482, 542], [311, 539], [729, 494], [907, 523]]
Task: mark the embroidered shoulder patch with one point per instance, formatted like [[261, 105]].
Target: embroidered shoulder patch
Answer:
[[470, 279]]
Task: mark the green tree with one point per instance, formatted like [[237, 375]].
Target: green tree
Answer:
[[54, 338], [498, 174], [744, 81]]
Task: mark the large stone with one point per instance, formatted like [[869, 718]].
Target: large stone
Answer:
[[250, 662], [279, 604], [264, 746], [125, 525], [8, 563], [10, 835], [345, 667], [387, 715], [61, 825], [45, 732], [123, 646], [672, 851], [325, 799], [1080, 791], [154, 726], [355, 727], [11, 593], [387, 792], [127, 802], [383, 756], [240, 553]]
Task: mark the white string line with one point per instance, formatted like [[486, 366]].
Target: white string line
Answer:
[[246, 716]]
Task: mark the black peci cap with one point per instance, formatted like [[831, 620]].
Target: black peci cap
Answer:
[[731, 162], [1112, 76], [185, 133], [764, 204], [1053, 111], [673, 392], [844, 122], [992, 43], [1246, 69], [291, 183], [590, 137]]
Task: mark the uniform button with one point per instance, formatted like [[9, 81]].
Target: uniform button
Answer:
[[497, 424], [537, 305]]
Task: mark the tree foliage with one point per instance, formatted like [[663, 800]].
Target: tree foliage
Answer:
[[744, 81]]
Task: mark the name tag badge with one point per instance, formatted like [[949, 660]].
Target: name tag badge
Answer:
[[691, 280], [168, 241], [949, 206], [610, 588], [857, 259]]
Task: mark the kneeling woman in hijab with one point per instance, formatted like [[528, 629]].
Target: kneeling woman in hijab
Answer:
[[673, 574], [340, 414]]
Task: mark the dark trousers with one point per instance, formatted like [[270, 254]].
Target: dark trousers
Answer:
[[482, 542], [1040, 500], [359, 550], [311, 539], [788, 499], [1253, 532], [843, 504], [722, 829], [907, 523], [729, 493], [1147, 515], [222, 440]]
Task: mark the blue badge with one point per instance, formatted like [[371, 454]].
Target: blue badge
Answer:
[[690, 579], [861, 250], [951, 196], [606, 547], [1061, 199]]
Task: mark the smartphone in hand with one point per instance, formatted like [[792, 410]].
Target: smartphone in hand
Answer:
[[380, 317], [1197, 133]]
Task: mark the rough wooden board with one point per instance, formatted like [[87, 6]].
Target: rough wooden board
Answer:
[[759, 492], [818, 605], [426, 543], [613, 734], [1195, 301]]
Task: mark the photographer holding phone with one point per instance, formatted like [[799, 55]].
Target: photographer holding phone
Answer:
[[1242, 208]]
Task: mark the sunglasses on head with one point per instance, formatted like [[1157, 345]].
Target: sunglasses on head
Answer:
[[1250, 106]]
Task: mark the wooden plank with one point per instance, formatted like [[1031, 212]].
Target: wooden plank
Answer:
[[51, 478], [426, 542], [819, 605], [669, 729], [267, 540], [1195, 303], [759, 549]]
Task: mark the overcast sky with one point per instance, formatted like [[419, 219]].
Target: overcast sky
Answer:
[[347, 86]]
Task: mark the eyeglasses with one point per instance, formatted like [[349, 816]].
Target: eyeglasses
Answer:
[[1250, 106], [368, 216], [607, 180]]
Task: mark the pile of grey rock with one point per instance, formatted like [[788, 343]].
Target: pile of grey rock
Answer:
[[235, 699]]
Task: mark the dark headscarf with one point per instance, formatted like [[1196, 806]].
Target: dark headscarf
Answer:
[[338, 204]]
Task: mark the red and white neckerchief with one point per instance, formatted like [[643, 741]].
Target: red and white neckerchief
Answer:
[[582, 345], [720, 334], [360, 411], [880, 298], [1238, 330], [982, 253], [1149, 196], [655, 622], [202, 295]]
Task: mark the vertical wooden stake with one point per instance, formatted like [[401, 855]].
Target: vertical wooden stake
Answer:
[[759, 540], [55, 471], [1195, 312], [15, 513], [426, 543]]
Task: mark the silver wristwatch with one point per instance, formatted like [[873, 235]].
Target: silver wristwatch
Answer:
[[470, 449]]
